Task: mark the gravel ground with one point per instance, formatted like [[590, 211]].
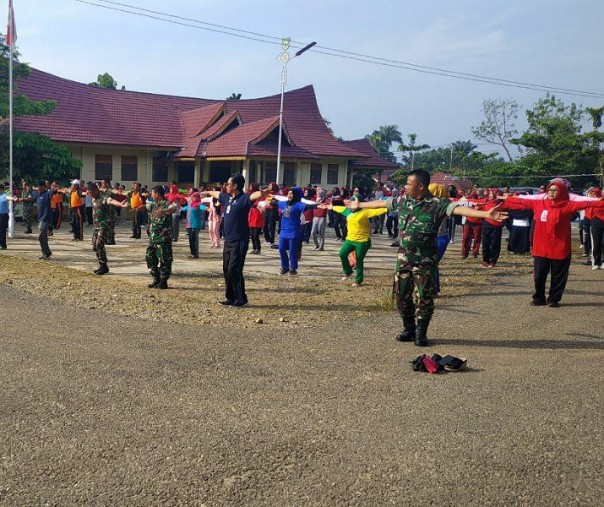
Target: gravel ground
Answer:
[[118, 395]]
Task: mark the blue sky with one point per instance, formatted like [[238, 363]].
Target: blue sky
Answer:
[[549, 42]]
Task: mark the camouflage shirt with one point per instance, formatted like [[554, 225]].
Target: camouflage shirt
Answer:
[[101, 212], [418, 224], [28, 201], [160, 227]]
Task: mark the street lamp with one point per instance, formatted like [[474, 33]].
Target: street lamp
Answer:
[[285, 58]]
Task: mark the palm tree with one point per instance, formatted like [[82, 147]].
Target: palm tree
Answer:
[[382, 139], [234, 96]]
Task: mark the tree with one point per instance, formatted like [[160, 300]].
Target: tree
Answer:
[[597, 137], [34, 156], [412, 148], [234, 96], [554, 142], [105, 81], [382, 140], [499, 126]]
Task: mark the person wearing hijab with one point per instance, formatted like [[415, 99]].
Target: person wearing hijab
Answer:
[[291, 230], [552, 239]]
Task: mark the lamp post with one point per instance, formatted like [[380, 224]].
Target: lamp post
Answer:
[[285, 59]]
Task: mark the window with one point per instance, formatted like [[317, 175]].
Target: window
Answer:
[[129, 168], [332, 174], [316, 171], [270, 173], [289, 173], [103, 167], [255, 171], [185, 172], [160, 169]]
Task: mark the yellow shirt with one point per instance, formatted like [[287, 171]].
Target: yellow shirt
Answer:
[[359, 227]]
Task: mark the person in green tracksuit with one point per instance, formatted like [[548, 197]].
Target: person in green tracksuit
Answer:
[[358, 239]]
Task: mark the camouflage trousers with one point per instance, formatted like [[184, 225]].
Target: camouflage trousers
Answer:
[[98, 245], [414, 291], [28, 217], [159, 259]]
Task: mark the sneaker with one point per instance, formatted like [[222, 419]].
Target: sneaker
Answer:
[[239, 304], [317, 248], [284, 271], [357, 284], [596, 267], [44, 257], [345, 277], [485, 264], [274, 246], [293, 272], [492, 265]]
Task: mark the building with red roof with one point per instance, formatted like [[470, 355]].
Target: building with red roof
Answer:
[[130, 136]]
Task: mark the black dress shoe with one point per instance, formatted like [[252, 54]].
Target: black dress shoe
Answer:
[[227, 302], [553, 304], [239, 304]]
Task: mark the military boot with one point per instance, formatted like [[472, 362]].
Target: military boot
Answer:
[[408, 334], [421, 340], [163, 284], [155, 283]]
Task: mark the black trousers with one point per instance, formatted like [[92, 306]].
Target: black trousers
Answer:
[[491, 244], [255, 234], [136, 224], [597, 240], [78, 215], [585, 231], [558, 271], [3, 229], [270, 224], [233, 260], [339, 226]]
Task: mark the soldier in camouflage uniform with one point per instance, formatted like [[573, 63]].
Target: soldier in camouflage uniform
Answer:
[[112, 218], [420, 215], [101, 213], [28, 206], [159, 251]]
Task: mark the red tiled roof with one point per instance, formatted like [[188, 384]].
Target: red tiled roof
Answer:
[[373, 160], [89, 115]]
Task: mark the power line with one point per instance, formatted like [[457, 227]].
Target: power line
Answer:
[[337, 53]]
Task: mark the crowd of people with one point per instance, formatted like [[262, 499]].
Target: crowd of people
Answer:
[[421, 218]]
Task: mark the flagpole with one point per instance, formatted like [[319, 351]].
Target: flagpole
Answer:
[[11, 31]]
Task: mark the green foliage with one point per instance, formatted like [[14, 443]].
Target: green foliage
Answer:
[[412, 148], [36, 157], [105, 81], [382, 140], [363, 178], [554, 142], [21, 105], [234, 96]]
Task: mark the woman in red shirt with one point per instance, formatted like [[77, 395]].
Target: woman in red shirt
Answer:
[[552, 239]]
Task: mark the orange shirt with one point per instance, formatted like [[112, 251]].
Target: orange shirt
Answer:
[[76, 200], [136, 200], [57, 198]]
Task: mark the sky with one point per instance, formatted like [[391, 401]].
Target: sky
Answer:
[[555, 43]]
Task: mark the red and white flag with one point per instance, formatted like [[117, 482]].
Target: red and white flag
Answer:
[[11, 31]]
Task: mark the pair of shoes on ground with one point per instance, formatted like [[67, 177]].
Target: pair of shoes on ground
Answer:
[[435, 363], [291, 272], [539, 302], [235, 304]]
